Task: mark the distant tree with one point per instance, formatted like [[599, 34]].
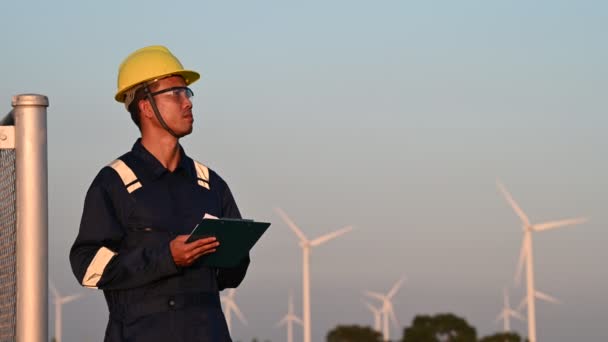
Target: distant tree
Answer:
[[444, 327], [53, 339], [503, 337], [422, 330], [353, 333]]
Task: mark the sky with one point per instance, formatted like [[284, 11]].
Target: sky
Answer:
[[395, 117]]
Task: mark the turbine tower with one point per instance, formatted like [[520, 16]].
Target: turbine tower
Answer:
[[306, 245], [527, 256], [229, 307], [506, 313], [387, 307], [59, 301], [377, 312], [289, 319]]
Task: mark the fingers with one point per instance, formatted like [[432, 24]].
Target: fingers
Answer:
[[184, 254], [206, 248], [183, 238], [201, 242]]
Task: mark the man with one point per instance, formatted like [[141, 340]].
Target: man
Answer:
[[139, 211]]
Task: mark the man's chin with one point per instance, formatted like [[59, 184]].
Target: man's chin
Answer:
[[185, 132]]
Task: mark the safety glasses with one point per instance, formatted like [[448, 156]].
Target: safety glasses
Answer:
[[175, 92]]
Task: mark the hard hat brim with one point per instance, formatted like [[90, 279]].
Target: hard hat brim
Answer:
[[189, 77]]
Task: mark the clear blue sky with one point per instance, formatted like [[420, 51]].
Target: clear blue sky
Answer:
[[391, 116]]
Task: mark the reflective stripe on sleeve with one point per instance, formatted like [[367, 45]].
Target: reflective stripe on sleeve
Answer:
[[96, 267], [127, 175], [202, 175]]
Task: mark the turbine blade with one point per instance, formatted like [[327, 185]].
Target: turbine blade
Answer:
[[298, 320], [555, 224], [516, 208], [392, 315], [238, 313], [522, 304], [291, 224], [371, 308], [500, 316], [546, 297], [375, 295], [395, 288], [522, 259], [283, 321], [516, 314], [290, 303], [70, 298], [54, 290], [330, 236], [505, 297]]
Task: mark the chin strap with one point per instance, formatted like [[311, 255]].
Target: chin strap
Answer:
[[157, 113]]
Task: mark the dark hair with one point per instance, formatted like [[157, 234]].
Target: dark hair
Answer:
[[134, 106]]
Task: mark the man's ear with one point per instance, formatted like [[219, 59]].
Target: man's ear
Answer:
[[145, 109]]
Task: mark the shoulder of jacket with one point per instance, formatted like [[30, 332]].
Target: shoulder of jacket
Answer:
[[203, 174], [126, 174]]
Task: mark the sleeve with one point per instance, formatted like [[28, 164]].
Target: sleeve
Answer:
[[96, 257], [231, 277]]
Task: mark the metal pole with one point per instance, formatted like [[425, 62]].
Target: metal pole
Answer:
[[32, 217], [531, 289]]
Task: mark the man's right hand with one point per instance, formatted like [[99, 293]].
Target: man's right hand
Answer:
[[184, 254]]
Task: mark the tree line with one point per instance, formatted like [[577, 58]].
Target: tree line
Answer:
[[442, 327]]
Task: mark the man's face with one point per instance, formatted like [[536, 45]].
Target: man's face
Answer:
[[173, 101]]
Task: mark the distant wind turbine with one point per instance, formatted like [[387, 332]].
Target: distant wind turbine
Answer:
[[59, 301], [229, 307], [538, 295], [289, 319], [506, 313], [527, 256], [306, 245], [377, 312], [387, 307]]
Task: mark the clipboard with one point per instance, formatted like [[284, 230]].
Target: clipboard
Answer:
[[236, 238]]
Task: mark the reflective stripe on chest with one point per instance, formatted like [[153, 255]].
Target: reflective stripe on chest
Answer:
[[129, 179]]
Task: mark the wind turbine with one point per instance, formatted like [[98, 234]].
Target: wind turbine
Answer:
[[506, 313], [377, 312], [59, 301], [527, 256], [387, 307], [289, 319], [306, 245], [229, 307]]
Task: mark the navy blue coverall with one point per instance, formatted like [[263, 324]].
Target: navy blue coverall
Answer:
[[123, 248]]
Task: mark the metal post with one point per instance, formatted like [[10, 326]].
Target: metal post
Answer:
[[32, 217]]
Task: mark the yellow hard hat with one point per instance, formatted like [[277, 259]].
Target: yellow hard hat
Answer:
[[147, 64]]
